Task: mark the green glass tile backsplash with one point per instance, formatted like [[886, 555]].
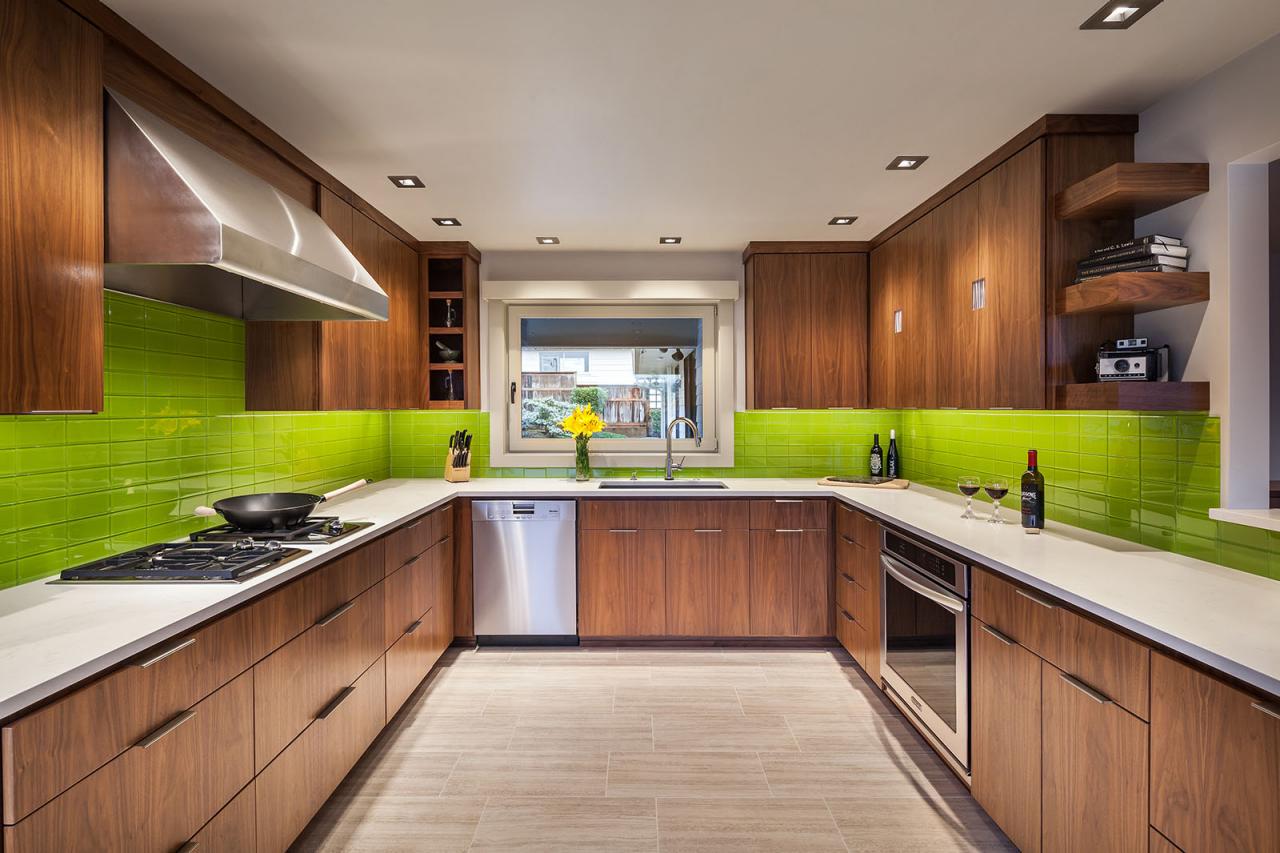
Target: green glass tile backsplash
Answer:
[[174, 435]]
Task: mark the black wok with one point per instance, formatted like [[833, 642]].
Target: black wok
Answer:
[[271, 510]]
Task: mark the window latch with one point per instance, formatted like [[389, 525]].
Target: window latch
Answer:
[[513, 393]]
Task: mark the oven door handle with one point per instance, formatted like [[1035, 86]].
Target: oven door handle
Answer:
[[891, 566]]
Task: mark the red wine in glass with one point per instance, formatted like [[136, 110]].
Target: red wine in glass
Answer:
[[968, 487], [996, 490]]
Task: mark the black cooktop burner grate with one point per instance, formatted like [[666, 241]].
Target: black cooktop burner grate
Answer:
[[314, 530], [185, 561]]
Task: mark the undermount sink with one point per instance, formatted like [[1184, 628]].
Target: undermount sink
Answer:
[[661, 484]]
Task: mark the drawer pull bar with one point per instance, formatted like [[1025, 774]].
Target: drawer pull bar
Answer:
[[1008, 641], [1100, 698], [845, 614], [325, 620], [337, 700], [155, 737], [846, 577], [787, 501], [707, 530], [189, 847], [1037, 599], [847, 540], [790, 530], [415, 626], [172, 650], [1270, 712], [622, 530]]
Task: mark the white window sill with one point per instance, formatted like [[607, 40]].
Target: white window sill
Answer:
[[504, 459], [1267, 519]]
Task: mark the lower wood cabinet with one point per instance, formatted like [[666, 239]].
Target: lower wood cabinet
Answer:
[[422, 639], [295, 785], [235, 828], [622, 583], [1005, 746], [1215, 762], [708, 576], [790, 583], [1094, 784], [160, 791]]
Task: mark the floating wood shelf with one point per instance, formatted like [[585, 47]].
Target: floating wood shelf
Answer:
[[444, 294], [446, 404], [1130, 190], [1134, 292], [455, 365], [445, 330], [1138, 396]]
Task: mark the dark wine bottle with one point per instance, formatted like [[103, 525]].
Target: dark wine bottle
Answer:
[[877, 457], [893, 467], [1032, 496]]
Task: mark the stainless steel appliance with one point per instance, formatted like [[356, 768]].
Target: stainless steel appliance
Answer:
[[315, 530], [525, 569], [924, 639], [174, 562]]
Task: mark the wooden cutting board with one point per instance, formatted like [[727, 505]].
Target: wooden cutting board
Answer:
[[887, 484]]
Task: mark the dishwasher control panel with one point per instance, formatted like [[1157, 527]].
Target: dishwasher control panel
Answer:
[[523, 511]]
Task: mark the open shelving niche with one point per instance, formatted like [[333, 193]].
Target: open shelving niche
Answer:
[[1130, 190], [449, 281]]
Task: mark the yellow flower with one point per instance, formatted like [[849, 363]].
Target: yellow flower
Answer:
[[583, 422]]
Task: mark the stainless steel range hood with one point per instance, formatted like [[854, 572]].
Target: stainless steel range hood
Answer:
[[188, 226]]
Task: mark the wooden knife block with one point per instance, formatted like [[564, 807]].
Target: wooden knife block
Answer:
[[455, 475]]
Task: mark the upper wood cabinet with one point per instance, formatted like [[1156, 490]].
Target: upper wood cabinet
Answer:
[[806, 329], [307, 365], [1215, 762], [51, 209]]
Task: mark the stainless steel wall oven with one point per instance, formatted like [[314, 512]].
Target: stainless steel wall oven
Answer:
[[924, 639]]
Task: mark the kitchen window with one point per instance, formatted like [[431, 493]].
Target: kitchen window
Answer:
[[638, 365]]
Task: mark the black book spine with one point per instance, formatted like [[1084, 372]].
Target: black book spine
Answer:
[[1138, 241], [1121, 266], [1134, 253], [1087, 276]]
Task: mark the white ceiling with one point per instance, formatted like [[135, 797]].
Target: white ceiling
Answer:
[[609, 123]]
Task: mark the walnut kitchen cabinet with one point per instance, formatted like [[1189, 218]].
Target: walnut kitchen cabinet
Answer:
[[857, 587], [903, 320], [708, 576], [622, 582], [806, 327], [51, 209], [1005, 747], [1215, 762], [790, 583]]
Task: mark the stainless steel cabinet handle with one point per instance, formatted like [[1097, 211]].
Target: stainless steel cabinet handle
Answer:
[[1008, 641], [172, 650], [787, 501], [937, 596], [623, 530], [790, 530], [333, 705], [155, 737], [415, 626], [846, 615], [325, 620], [1270, 712], [189, 847], [708, 530], [847, 539], [1100, 698], [846, 578], [1037, 599]]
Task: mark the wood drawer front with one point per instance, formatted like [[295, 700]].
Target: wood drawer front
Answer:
[[707, 582], [49, 750], [158, 793], [848, 522], [1095, 784], [1107, 661], [1215, 762], [235, 828], [293, 787], [409, 660], [846, 594], [849, 555], [1159, 844], [864, 606], [298, 682], [790, 514], [1026, 617], [441, 524], [410, 592], [623, 515], [708, 515], [406, 543]]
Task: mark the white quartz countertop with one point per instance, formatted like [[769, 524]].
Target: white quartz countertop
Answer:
[[53, 636]]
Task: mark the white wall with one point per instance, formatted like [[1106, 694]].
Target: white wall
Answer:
[[555, 264], [1231, 120]]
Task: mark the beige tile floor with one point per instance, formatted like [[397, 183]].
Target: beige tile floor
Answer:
[[650, 750]]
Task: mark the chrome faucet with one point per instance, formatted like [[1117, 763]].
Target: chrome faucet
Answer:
[[697, 440]]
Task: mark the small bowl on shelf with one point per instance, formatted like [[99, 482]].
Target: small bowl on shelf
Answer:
[[447, 355]]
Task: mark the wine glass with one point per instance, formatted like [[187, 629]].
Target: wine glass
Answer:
[[996, 488], [968, 487]]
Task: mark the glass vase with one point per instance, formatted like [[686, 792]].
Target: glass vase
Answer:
[[582, 459]]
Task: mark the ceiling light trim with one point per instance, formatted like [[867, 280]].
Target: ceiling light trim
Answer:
[[1109, 17]]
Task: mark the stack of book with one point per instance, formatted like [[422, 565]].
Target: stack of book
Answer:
[[1152, 253]]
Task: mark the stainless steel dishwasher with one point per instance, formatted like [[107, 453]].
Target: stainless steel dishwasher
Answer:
[[525, 571]]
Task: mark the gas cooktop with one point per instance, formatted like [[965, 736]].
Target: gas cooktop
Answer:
[[187, 561], [317, 530]]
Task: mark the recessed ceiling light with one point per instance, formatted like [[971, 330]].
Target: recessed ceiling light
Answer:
[[407, 182], [1119, 15], [669, 241], [906, 162], [548, 241], [447, 221], [842, 220]]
